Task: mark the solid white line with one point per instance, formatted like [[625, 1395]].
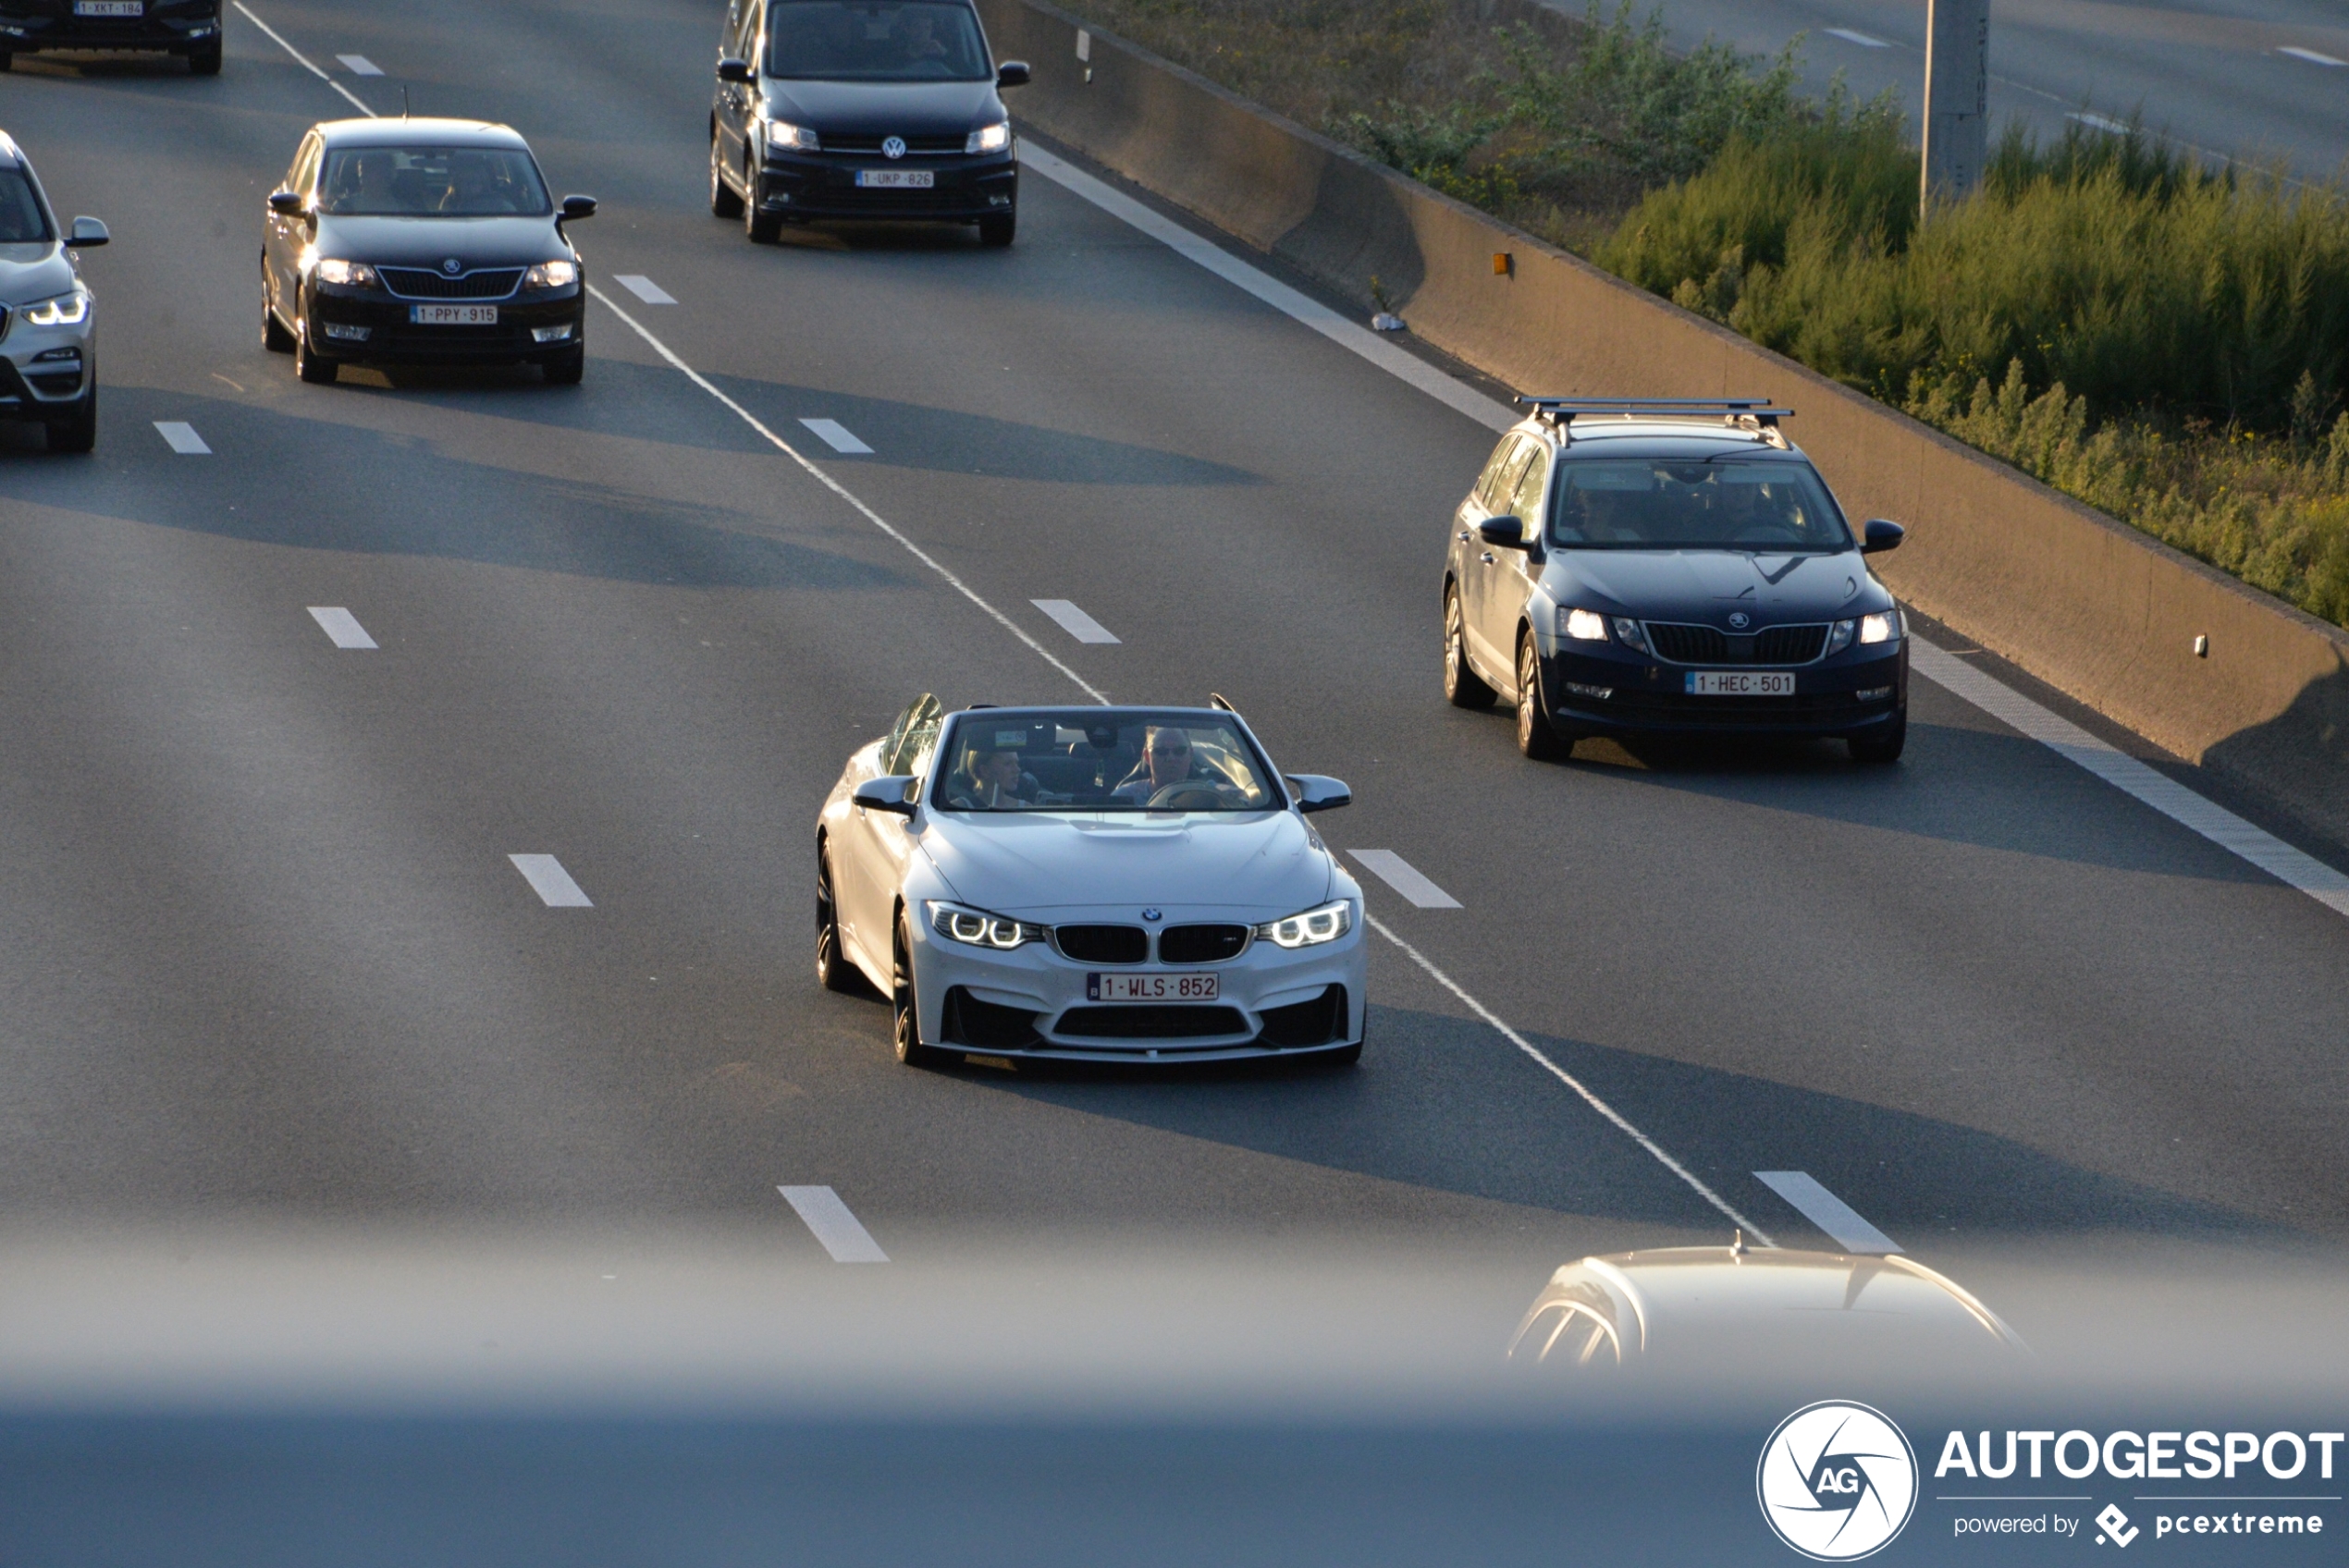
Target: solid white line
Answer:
[[303, 60], [341, 627], [1405, 878], [2131, 776], [847, 1241], [836, 435], [1862, 38], [834, 485], [2098, 122], [1074, 621], [1563, 1077], [553, 884], [359, 65], [2310, 56], [182, 437], [1443, 388], [1826, 1212], [645, 289]]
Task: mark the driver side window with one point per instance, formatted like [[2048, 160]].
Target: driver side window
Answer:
[[1525, 498]]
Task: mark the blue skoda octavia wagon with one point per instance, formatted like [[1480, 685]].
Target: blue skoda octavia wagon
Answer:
[[1675, 567]]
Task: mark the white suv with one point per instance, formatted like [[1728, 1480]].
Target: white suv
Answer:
[[48, 318]]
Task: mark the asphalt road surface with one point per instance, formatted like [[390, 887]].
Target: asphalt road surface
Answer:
[[265, 959], [2264, 81]]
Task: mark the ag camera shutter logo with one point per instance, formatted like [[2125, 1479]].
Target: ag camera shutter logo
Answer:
[[1838, 1481]]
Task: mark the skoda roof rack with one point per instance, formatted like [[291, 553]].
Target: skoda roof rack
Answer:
[[1733, 411]]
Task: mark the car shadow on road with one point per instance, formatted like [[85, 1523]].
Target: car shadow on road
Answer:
[[407, 498], [1446, 1103]]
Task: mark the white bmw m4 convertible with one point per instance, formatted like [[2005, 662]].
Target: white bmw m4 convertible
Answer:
[[1094, 884]]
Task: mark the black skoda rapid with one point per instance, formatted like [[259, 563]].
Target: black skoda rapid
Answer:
[[1643, 568], [190, 28], [861, 109], [421, 241]]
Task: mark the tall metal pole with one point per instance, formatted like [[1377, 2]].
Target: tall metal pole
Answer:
[[1957, 97]]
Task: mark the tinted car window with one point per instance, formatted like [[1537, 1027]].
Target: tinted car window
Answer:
[[432, 182], [875, 41], [22, 219], [1488, 483], [1526, 499], [1112, 760], [1672, 504]]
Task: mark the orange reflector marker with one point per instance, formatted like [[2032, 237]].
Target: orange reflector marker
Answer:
[[1502, 263]]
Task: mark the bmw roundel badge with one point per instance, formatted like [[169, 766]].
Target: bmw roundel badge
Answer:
[[1739, 620], [894, 147], [1149, 915]]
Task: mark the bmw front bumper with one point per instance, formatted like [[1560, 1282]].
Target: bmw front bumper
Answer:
[[1603, 688], [1033, 1001], [46, 371]]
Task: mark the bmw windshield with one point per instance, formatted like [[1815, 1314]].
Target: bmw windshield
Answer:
[[875, 41], [1778, 507], [1110, 759], [22, 219]]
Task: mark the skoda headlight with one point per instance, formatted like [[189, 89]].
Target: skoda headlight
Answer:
[[1840, 635], [59, 309], [1882, 627], [347, 274], [782, 133], [959, 922], [1312, 928], [551, 274], [1586, 626], [990, 138]]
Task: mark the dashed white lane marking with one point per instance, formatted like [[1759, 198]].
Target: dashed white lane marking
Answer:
[[2310, 56], [1074, 621], [835, 434], [821, 1209], [1622, 1124], [359, 65], [1826, 1212], [182, 437], [1405, 878], [1280, 296], [1862, 38], [2099, 122], [645, 289], [2131, 776], [551, 881], [341, 627], [303, 60]]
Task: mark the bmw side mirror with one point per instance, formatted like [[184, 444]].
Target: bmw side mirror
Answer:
[[1012, 73], [285, 203], [87, 234], [579, 207], [1317, 792], [737, 71], [1879, 537], [894, 793], [1509, 533]]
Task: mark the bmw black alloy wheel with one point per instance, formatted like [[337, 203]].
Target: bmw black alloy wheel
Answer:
[[902, 1004], [832, 969]]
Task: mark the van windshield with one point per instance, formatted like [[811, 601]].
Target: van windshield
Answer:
[[875, 41]]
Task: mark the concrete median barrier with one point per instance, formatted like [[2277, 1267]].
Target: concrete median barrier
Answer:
[[2097, 609]]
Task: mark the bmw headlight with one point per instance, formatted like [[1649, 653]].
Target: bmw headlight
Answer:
[[1882, 627], [551, 274], [990, 138], [782, 133], [1585, 626], [1311, 928], [347, 274], [959, 922], [59, 309]]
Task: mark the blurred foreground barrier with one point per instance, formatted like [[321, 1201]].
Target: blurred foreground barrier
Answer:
[[2089, 604]]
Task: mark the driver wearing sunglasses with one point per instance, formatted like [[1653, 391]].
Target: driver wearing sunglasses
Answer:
[[1166, 759]]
